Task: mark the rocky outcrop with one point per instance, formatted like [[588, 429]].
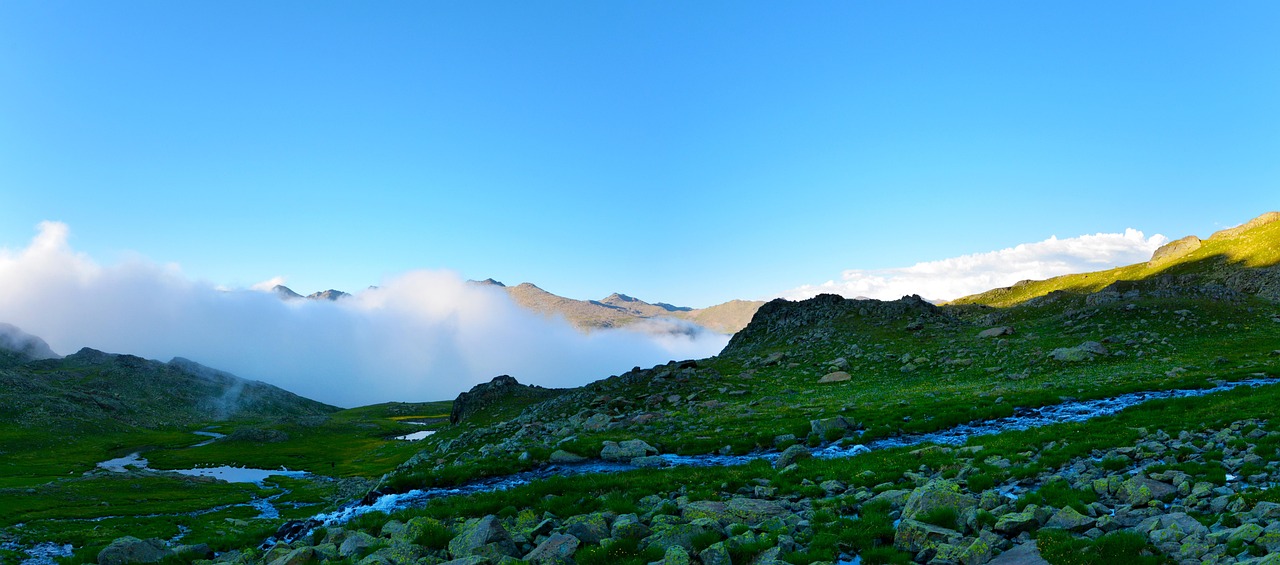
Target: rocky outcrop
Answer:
[[1174, 249], [502, 389]]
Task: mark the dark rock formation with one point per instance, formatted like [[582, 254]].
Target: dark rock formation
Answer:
[[501, 391]]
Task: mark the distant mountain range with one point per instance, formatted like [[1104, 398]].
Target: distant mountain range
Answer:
[[613, 311], [618, 310]]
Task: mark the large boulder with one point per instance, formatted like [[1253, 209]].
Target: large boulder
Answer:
[[835, 377], [555, 550], [129, 549], [935, 495], [791, 455], [915, 536], [1069, 519], [588, 528], [626, 450], [485, 537], [826, 427]]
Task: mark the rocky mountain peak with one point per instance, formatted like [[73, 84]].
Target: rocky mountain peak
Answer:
[[285, 292], [26, 346], [330, 295]]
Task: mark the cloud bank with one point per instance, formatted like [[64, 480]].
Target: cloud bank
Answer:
[[424, 335], [970, 274]]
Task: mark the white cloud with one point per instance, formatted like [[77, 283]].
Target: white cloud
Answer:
[[269, 283], [425, 335], [969, 274]]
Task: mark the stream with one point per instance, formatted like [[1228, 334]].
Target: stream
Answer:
[[1022, 419]]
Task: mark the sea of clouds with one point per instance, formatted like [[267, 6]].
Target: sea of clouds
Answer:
[[423, 335]]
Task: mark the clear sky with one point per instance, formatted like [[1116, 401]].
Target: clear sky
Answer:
[[688, 152]]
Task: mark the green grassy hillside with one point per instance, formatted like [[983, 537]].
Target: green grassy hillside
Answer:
[[1241, 258]]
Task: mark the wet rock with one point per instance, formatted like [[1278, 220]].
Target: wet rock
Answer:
[[555, 550], [129, 549], [485, 537], [791, 455], [650, 462]]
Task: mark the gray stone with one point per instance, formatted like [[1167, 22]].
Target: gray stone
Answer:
[[915, 536], [562, 456], [626, 450], [557, 549], [356, 543], [825, 427], [129, 549], [835, 377], [1025, 554], [589, 528], [1069, 519], [791, 455], [485, 537], [995, 332], [936, 494]]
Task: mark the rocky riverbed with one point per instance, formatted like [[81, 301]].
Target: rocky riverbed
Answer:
[[1193, 496]]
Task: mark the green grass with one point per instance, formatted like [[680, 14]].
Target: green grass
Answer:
[[1061, 548]]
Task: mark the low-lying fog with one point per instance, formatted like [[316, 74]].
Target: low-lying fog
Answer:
[[423, 335]]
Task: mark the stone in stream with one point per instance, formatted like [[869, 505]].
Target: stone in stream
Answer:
[[791, 455], [626, 450], [129, 549]]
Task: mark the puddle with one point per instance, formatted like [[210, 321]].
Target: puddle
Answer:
[[226, 473], [415, 436]]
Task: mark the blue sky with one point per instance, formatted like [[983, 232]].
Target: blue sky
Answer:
[[684, 152]]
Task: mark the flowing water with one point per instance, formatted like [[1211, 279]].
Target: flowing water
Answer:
[[1022, 419]]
